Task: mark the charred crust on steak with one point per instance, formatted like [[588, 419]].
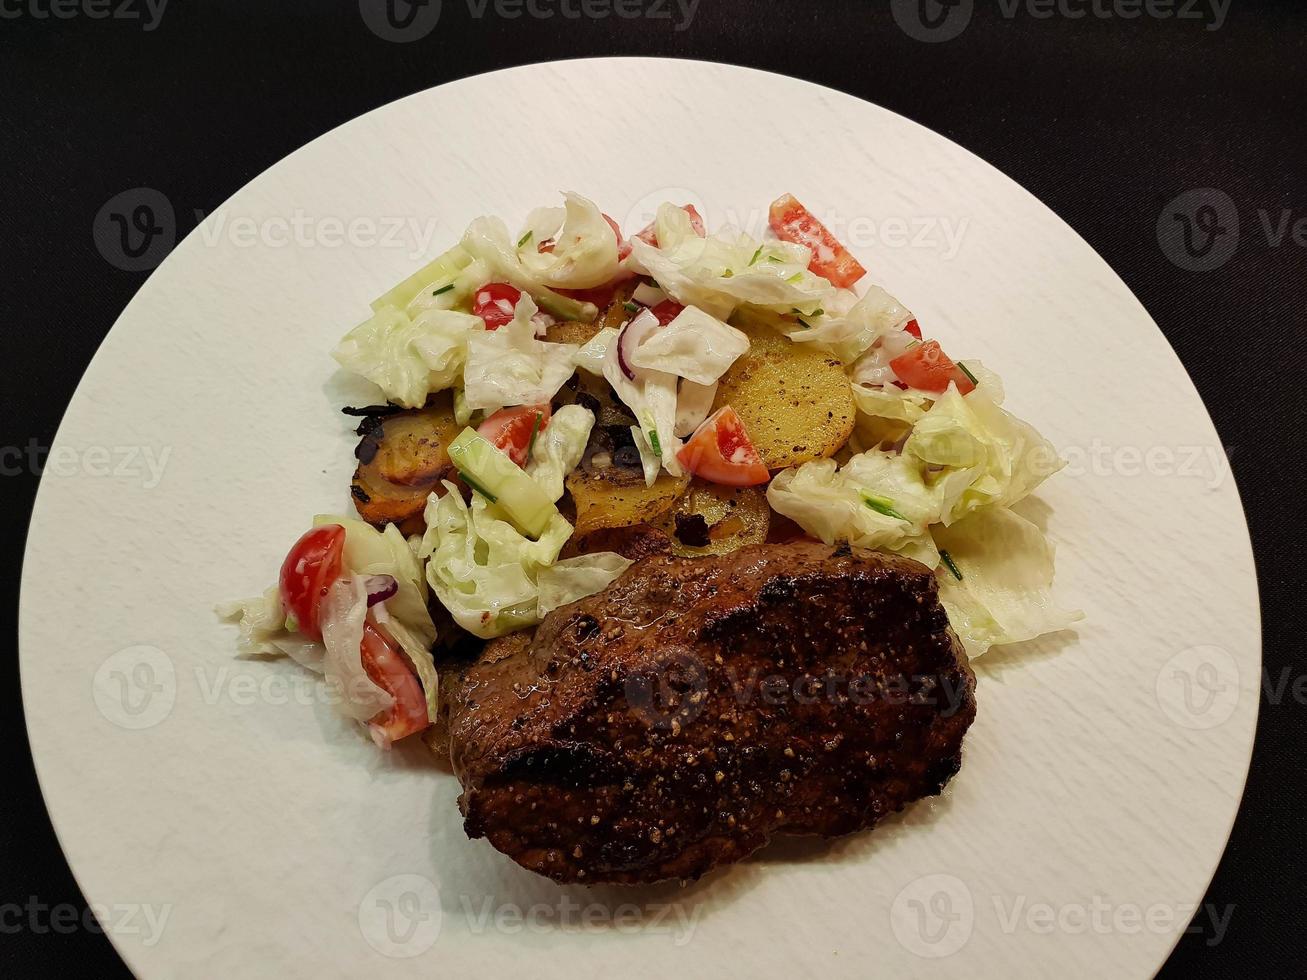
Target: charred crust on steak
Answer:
[[697, 707]]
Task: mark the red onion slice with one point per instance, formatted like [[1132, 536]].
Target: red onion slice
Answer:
[[380, 588], [632, 336]]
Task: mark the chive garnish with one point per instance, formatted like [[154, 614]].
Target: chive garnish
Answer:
[[443, 289], [773, 258], [292, 624], [535, 431], [882, 505], [524, 239], [970, 377], [631, 307], [756, 255], [478, 487], [654, 444], [952, 566], [727, 274], [804, 323], [795, 278]]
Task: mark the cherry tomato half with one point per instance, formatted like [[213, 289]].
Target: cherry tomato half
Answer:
[[720, 451], [792, 222], [511, 430], [387, 667], [495, 304], [928, 368], [310, 569]]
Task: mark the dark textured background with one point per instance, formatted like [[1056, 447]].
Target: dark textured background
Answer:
[[1104, 119]]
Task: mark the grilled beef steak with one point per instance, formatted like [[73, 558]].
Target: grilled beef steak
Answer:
[[696, 707]]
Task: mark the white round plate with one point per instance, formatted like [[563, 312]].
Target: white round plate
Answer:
[[224, 822]]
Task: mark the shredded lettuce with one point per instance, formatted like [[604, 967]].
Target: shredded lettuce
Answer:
[[1005, 593], [590, 357], [849, 335], [575, 578], [409, 359], [989, 456], [695, 346], [509, 366], [720, 272], [343, 612], [486, 573], [652, 399], [584, 253], [559, 448]]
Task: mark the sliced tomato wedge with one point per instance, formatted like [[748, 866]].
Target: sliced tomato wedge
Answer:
[[792, 222], [720, 451], [389, 670], [914, 328], [495, 303], [650, 234], [311, 568], [927, 367], [667, 311], [513, 429]]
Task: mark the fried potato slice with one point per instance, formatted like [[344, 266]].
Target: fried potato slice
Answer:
[[795, 402], [402, 460], [714, 520], [617, 497]]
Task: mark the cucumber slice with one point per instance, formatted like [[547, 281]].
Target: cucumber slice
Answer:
[[435, 273], [503, 482]]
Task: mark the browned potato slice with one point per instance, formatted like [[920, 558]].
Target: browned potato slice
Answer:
[[714, 520], [795, 402], [617, 497], [411, 446], [403, 459], [572, 332], [615, 314], [380, 502]]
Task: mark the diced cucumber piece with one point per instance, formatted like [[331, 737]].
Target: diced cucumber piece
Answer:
[[435, 273], [564, 307], [519, 497]]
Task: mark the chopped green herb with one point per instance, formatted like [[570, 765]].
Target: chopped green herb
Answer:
[[535, 431], [524, 239], [773, 258], [882, 505], [819, 312], [490, 497], [795, 278], [653, 441], [971, 377], [804, 324], [727, 274], [292, 624], [756, 255], [443, 289], [952, 566], [631, 307]]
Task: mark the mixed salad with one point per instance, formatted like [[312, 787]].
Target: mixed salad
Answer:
[[546, 387]]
